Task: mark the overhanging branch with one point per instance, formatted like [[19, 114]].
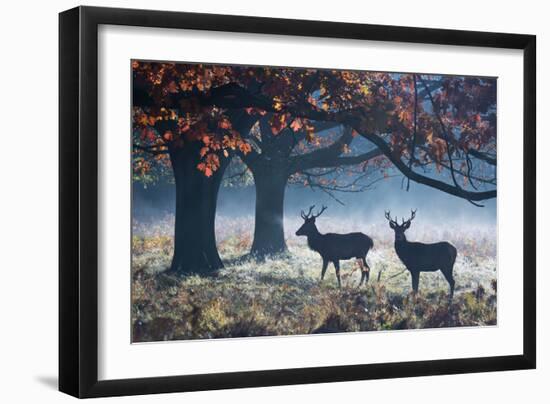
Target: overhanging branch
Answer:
[[492, 160], [422, 179]]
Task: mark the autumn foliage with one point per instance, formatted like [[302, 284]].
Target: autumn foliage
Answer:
[[426, 122]]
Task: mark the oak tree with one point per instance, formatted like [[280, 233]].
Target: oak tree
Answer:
[[436, 130]]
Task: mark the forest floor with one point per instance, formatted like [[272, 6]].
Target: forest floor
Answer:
[[283, 295]]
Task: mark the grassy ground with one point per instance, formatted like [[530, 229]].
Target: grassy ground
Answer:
[[283, 295]]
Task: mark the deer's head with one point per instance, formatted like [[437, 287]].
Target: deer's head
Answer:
[[309, 228], [400, 229]]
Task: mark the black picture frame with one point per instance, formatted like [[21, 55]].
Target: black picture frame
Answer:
[[78, 201]]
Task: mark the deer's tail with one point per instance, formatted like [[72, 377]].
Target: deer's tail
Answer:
[[371, 242], [454, 254]]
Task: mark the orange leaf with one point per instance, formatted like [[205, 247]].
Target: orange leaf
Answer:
[[296, 125], [278, 122], [310, 133], [245, 148], [224, 124]]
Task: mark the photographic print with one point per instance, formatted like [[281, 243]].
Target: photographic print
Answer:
[[277, 201]]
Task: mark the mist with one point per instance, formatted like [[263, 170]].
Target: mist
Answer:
[[434, 207]]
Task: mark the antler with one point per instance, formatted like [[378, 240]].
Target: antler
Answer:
[[413, 214], [319, 213], [306, 216], [388, 216]]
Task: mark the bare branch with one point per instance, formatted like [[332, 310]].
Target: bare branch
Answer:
[[240, 174], [422, 179], [330, 156], [413, 141], [469, 175], [492, 160]]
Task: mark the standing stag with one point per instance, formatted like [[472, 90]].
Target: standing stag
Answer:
[[419, 257], [335, 247]]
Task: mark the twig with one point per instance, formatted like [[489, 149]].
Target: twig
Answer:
[[446, 139], [413, 142], [396, 275]]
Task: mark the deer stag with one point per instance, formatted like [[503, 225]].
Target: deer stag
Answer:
[[335, 247], [419, 257]]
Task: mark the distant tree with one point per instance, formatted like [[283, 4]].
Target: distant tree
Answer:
[[438, 131], [313, 159]]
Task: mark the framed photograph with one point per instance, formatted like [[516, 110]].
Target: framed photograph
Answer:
[[250, 201]]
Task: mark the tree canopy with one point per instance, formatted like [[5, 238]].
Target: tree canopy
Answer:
[[436, 130]]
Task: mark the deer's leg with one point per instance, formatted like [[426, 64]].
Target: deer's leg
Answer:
[[415, 278], [362, 271], [366, 269], [337, 268], [364, 259], [325, 265], [449, 276]]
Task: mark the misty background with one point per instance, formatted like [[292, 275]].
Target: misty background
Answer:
[[434, 207]]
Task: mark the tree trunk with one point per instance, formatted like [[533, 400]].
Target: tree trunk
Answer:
[[269, 234], [195, 248]]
